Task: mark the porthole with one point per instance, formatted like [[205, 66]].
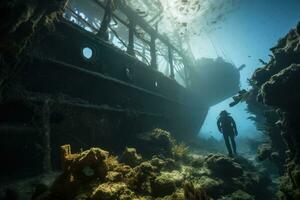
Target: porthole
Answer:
[[156, 84], [87, 53]]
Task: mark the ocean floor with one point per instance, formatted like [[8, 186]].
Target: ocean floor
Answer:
[[173, 172]]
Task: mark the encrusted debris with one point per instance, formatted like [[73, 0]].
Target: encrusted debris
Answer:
[[95, 174]]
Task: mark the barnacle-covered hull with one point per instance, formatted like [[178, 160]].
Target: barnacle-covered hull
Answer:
[[60, 94], [107, 100]]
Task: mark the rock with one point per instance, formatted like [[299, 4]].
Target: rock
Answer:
[[177, 195], [40, 191], [174, 176], [147, 181], [264, 152], [190, 193], [223, 166], [81, 196], [295, 175], [196, 161], [131, 157], [162, 141], [165, 164], [109, 191], [163, 185], [162, 138], [79, 169], [275, 93], [158, 162], [277, 85], [238, 195], [192, 173], [138, 179], [213, 187], [88, 163], [113, 176], [179, 151]]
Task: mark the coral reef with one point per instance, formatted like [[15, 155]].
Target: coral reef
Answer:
[[161, 142], [277, 85], [95, 174], [131, 157], [264, 151], [192, 194], [223, 166]]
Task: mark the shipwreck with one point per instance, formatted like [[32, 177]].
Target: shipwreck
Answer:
[[103, 61]]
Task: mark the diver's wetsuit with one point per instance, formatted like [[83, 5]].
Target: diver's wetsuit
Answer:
[[227, 126]]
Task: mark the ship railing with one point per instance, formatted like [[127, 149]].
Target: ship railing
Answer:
[[124, 28]]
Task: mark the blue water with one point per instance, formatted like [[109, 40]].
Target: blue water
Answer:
[[246, 36]]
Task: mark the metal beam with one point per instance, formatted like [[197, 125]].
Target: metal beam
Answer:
[[171, 62], [130, 48], [153, 52], [103, 32]]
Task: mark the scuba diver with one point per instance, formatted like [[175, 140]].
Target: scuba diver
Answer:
[[227, 127]]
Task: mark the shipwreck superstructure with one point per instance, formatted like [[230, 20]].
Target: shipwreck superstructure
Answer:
[[98, 78]]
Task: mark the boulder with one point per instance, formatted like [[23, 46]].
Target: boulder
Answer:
[[109, 191], [264, 152], [131, 157], [163, 185], [223, 166]]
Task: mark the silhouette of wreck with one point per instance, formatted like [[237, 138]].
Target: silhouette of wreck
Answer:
[[88, 83]]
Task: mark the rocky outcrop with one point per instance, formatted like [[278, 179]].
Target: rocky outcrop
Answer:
[[163, 185], [223, 166], [194, 194], [264, 152], [131, 157], [277, 85], [95, 174]]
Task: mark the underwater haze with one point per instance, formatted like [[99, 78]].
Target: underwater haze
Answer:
[[130, 100], [243, 38]]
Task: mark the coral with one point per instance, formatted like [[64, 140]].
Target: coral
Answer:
[[109, 191], [238, 195], [190, 193], [162, 138], [113, 176], [264, 151], [139, 179], [167, 145], [79, 169], [179, 151], [212, 186], [274, 89], [159, 178], [277, 85], [177, 195], [78, 165], [223, 166], [162, 185], [131, 157], [164, 163], [174, 176]]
